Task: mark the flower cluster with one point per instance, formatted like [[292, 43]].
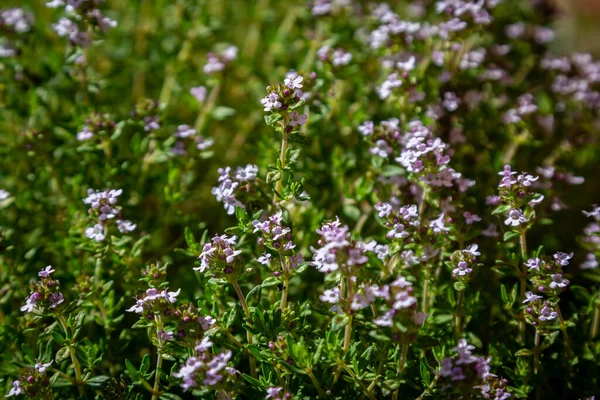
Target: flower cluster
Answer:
[[96, 124], [403, 222], [219, 256], [146, 112], [591, 240], [547, 277], [335, 57], [104, 211], [186, 134], [575, 79], [462, 263], [205, 369], [84, 18], [236, 188], [45, 293], [283, 98], [277, 237], [217, 62], [33, 382], [515, 194], [15, 20], [339, 252], [470, 375], [154, 302], [398, 306]]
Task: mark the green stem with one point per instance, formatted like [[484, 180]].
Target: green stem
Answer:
[[348, 329], [458, 317], [207, 108], [430, 387], [402, 364], [522, 284], [563, 328], [316, 383], [74, 360], [284, 146], [536, 352], [425, 290], [240, 295], [155, 391], [595, 320], [355, 378], [286, 282]]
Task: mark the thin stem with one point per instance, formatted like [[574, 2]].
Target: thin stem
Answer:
[[595, 321], [362, 385], [155, 391], [425, 291], [316, 383], [430, 387], [348, 293], [231, 338], [284, 146], [563, 328], [286, 282], [74, 360], [536, 352], [348, 329], [403, 356], [238, 290], [522, 284], [240, 295], [458, 316], [402, 364], [207, 108]]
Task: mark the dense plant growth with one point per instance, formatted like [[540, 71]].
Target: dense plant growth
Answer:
[[406, 211]]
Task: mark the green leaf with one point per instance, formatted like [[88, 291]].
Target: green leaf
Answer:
[[221, 112], [97, 381], [273, 176], [503, 295], [131, 369], [62, 354], [189, 237], [169, 396], [270, 282], [524, 353], [509, 235], [145, 365], [501, 209], [254, 382], [142, 323], [58, 338], [297, 137], [424, 371]]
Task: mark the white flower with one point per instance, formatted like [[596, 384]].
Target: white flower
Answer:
[[42, 367], [547, 314], [265, 259], [515, 218], [96, 232], [294, 82], [472, 249], [125, 226], [44, 273], [531, 297], [16, 389], [558, 281], [297, 119], [403, 300], [270, 102], [330, 295]]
